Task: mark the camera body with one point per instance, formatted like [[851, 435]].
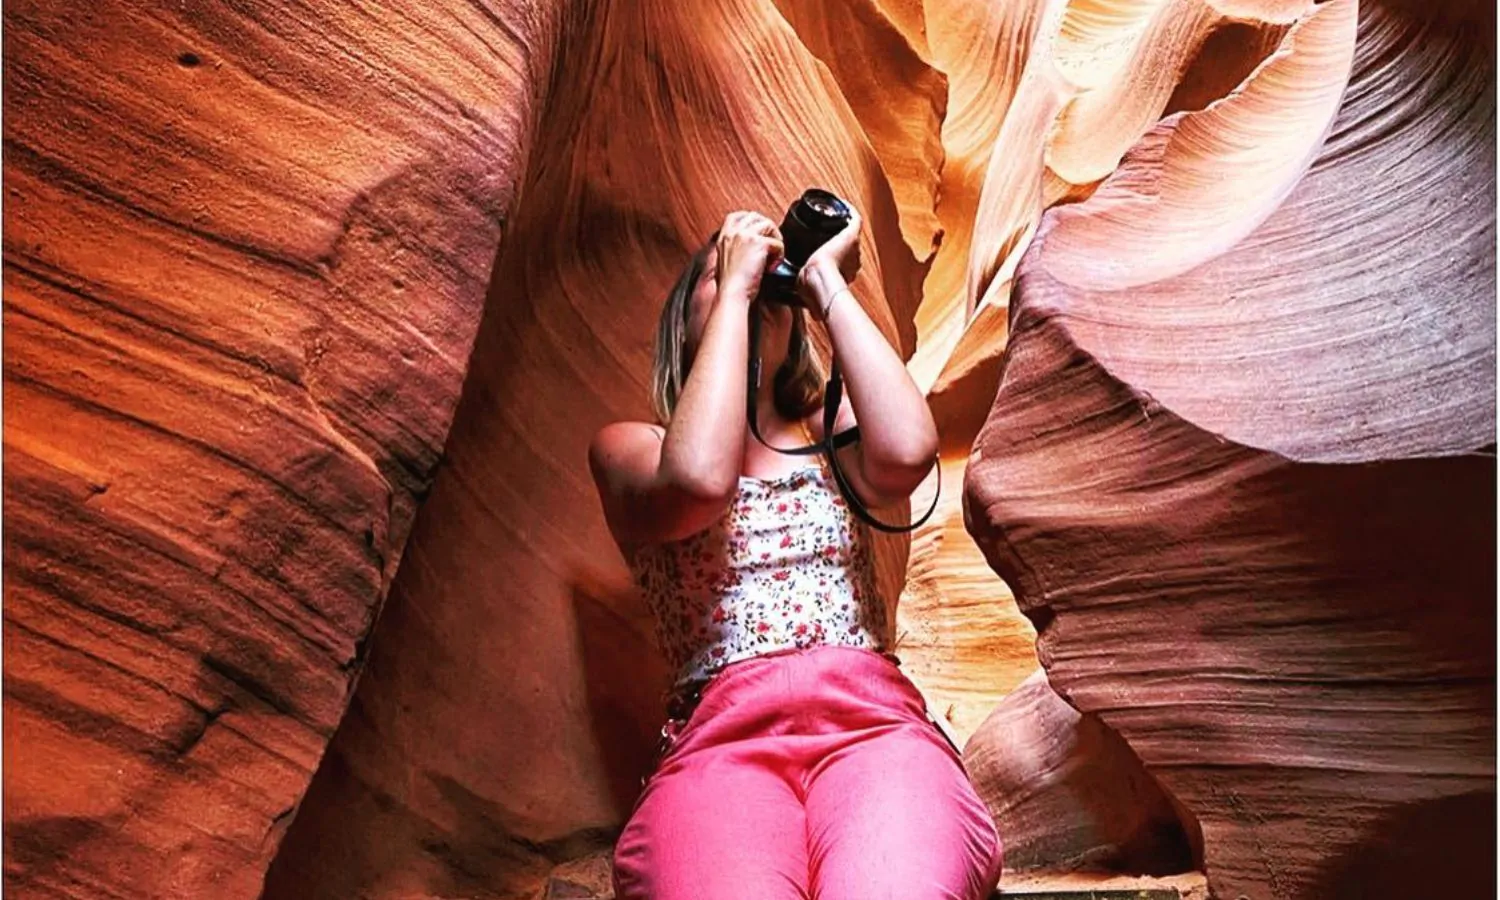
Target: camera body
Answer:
[[810, 222]]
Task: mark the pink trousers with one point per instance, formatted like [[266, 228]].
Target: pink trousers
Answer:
[[809, 774]]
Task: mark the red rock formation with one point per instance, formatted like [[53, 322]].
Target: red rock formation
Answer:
[[1045, 98], [1068, 793], [1240, 467], [245, 256], [884, 72], [245, 259], [513, 692], [961, 638]]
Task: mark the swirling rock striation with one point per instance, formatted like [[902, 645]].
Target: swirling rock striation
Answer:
[[512, 697], [245, 255], [1230, 471], [1240, 471], [1067, 793]]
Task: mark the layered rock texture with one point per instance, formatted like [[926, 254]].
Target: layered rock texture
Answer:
[[1240, 467], [245, 257], [1071, 794], [1202, 292]]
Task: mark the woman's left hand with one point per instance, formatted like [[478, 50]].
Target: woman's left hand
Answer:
[[841, 252]]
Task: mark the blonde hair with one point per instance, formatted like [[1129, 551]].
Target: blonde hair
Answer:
[[797, 387]]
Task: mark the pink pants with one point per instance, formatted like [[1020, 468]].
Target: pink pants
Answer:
[[809, 774]]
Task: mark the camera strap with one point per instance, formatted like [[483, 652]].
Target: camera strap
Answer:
[[833, 395]]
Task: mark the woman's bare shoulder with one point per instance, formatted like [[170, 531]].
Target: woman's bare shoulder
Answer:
[[628, 431], [624, 444]]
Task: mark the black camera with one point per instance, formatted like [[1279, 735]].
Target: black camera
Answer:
[[810, 222]]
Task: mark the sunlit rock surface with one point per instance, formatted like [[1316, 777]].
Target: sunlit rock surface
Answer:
[[513, 692], [246, 252], [1239, 469]]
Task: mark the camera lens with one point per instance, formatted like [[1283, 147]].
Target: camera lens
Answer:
[[810, 223], [821, 206], [823, 211]]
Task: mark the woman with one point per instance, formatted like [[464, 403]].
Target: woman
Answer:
[[798, 759]]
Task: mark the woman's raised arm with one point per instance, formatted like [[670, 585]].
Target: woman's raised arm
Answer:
[[897, 437], [662, 484]]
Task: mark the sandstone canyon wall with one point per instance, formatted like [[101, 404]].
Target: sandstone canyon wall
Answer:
[[503, 726], [1240, 467], [1202, 292], [246, 249]]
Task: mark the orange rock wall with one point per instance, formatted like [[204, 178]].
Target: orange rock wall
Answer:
[[1240, 468], [1067, 793], [1230, 403], [513, 691], [246, 250]]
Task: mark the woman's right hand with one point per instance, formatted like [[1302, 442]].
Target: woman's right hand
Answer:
[[749, 244]]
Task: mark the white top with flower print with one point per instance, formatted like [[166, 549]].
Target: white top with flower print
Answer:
[[787, 566]]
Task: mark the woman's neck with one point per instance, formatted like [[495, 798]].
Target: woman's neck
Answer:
[[778, 432]]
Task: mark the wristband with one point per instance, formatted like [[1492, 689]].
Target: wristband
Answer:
[[828, 307]]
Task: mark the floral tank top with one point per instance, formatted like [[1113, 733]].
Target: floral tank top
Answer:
[[788, 566]]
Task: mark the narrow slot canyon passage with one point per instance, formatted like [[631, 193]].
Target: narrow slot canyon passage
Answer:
[[311, 313]]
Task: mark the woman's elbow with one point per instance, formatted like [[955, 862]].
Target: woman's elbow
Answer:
[[706, 487], [913, 458], [896, 477]]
